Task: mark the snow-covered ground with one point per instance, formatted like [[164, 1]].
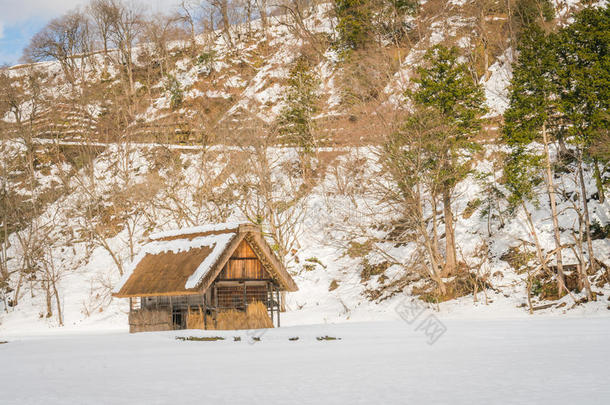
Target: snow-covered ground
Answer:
[[535, 360]]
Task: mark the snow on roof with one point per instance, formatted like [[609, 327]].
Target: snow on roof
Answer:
[[178, 262], [216, 244], [195, 229], [219, 244]]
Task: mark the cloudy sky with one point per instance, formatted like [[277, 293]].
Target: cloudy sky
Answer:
[[21, 19]]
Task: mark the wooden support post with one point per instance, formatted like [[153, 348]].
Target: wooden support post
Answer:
[[205, 318], [271, 302], [130, 305], [278, 307], [268, 296], [215, 291], [171, 311]]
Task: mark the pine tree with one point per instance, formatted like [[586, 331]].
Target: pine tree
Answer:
[[354, 23], [174, 90], [295, 123], [446, 84], [584, 72], [531, 113]]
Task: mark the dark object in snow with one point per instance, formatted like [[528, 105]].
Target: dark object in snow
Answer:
[[538, 308], [292, 339], [199, 338], [237, 338], [256, 338], [4, 341], [320, 338], [191, 278]]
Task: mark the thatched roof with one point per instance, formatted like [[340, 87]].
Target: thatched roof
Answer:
[[187, 261]]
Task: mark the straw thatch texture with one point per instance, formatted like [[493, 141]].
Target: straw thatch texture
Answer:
[[164, 273], [255, 317], [195, 319], [185, 262], [148, 320], [258, 317]]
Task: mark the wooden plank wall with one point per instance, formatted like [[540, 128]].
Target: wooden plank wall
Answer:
[[243, 264]]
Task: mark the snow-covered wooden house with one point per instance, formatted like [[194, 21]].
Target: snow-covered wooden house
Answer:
[[188, 277]]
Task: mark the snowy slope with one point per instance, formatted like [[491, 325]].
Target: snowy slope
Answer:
[[330, 214], [337, 211]]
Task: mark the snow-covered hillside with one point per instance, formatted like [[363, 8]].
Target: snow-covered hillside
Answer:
[[95, 175], [328, 222]]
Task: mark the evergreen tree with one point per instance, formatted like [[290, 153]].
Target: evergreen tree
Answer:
[[531, 113], [522, 176], [354, 23], [175, 91], [446, 84], [584, 71], [532, 89], [295, 122], [584, 67]]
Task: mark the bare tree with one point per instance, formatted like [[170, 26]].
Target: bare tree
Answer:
[[103, 14], [262, 10], [270, 195], [188, 15], [63, 39], [296, 13], [222, 8], [158, 31], [408, 159], [125, 31]]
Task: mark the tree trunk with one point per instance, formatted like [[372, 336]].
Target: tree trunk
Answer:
[[423, 228], [105, 55], [49, 298], [585, 206], [598, 182], [17, 290], [450, 259], [534, 234], [114, 257], [226, 26], [262, 7], [435, 244], [551, 192], [58, 303], [529, 294]]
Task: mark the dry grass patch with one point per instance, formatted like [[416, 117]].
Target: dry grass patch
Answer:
[[255, 317]]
